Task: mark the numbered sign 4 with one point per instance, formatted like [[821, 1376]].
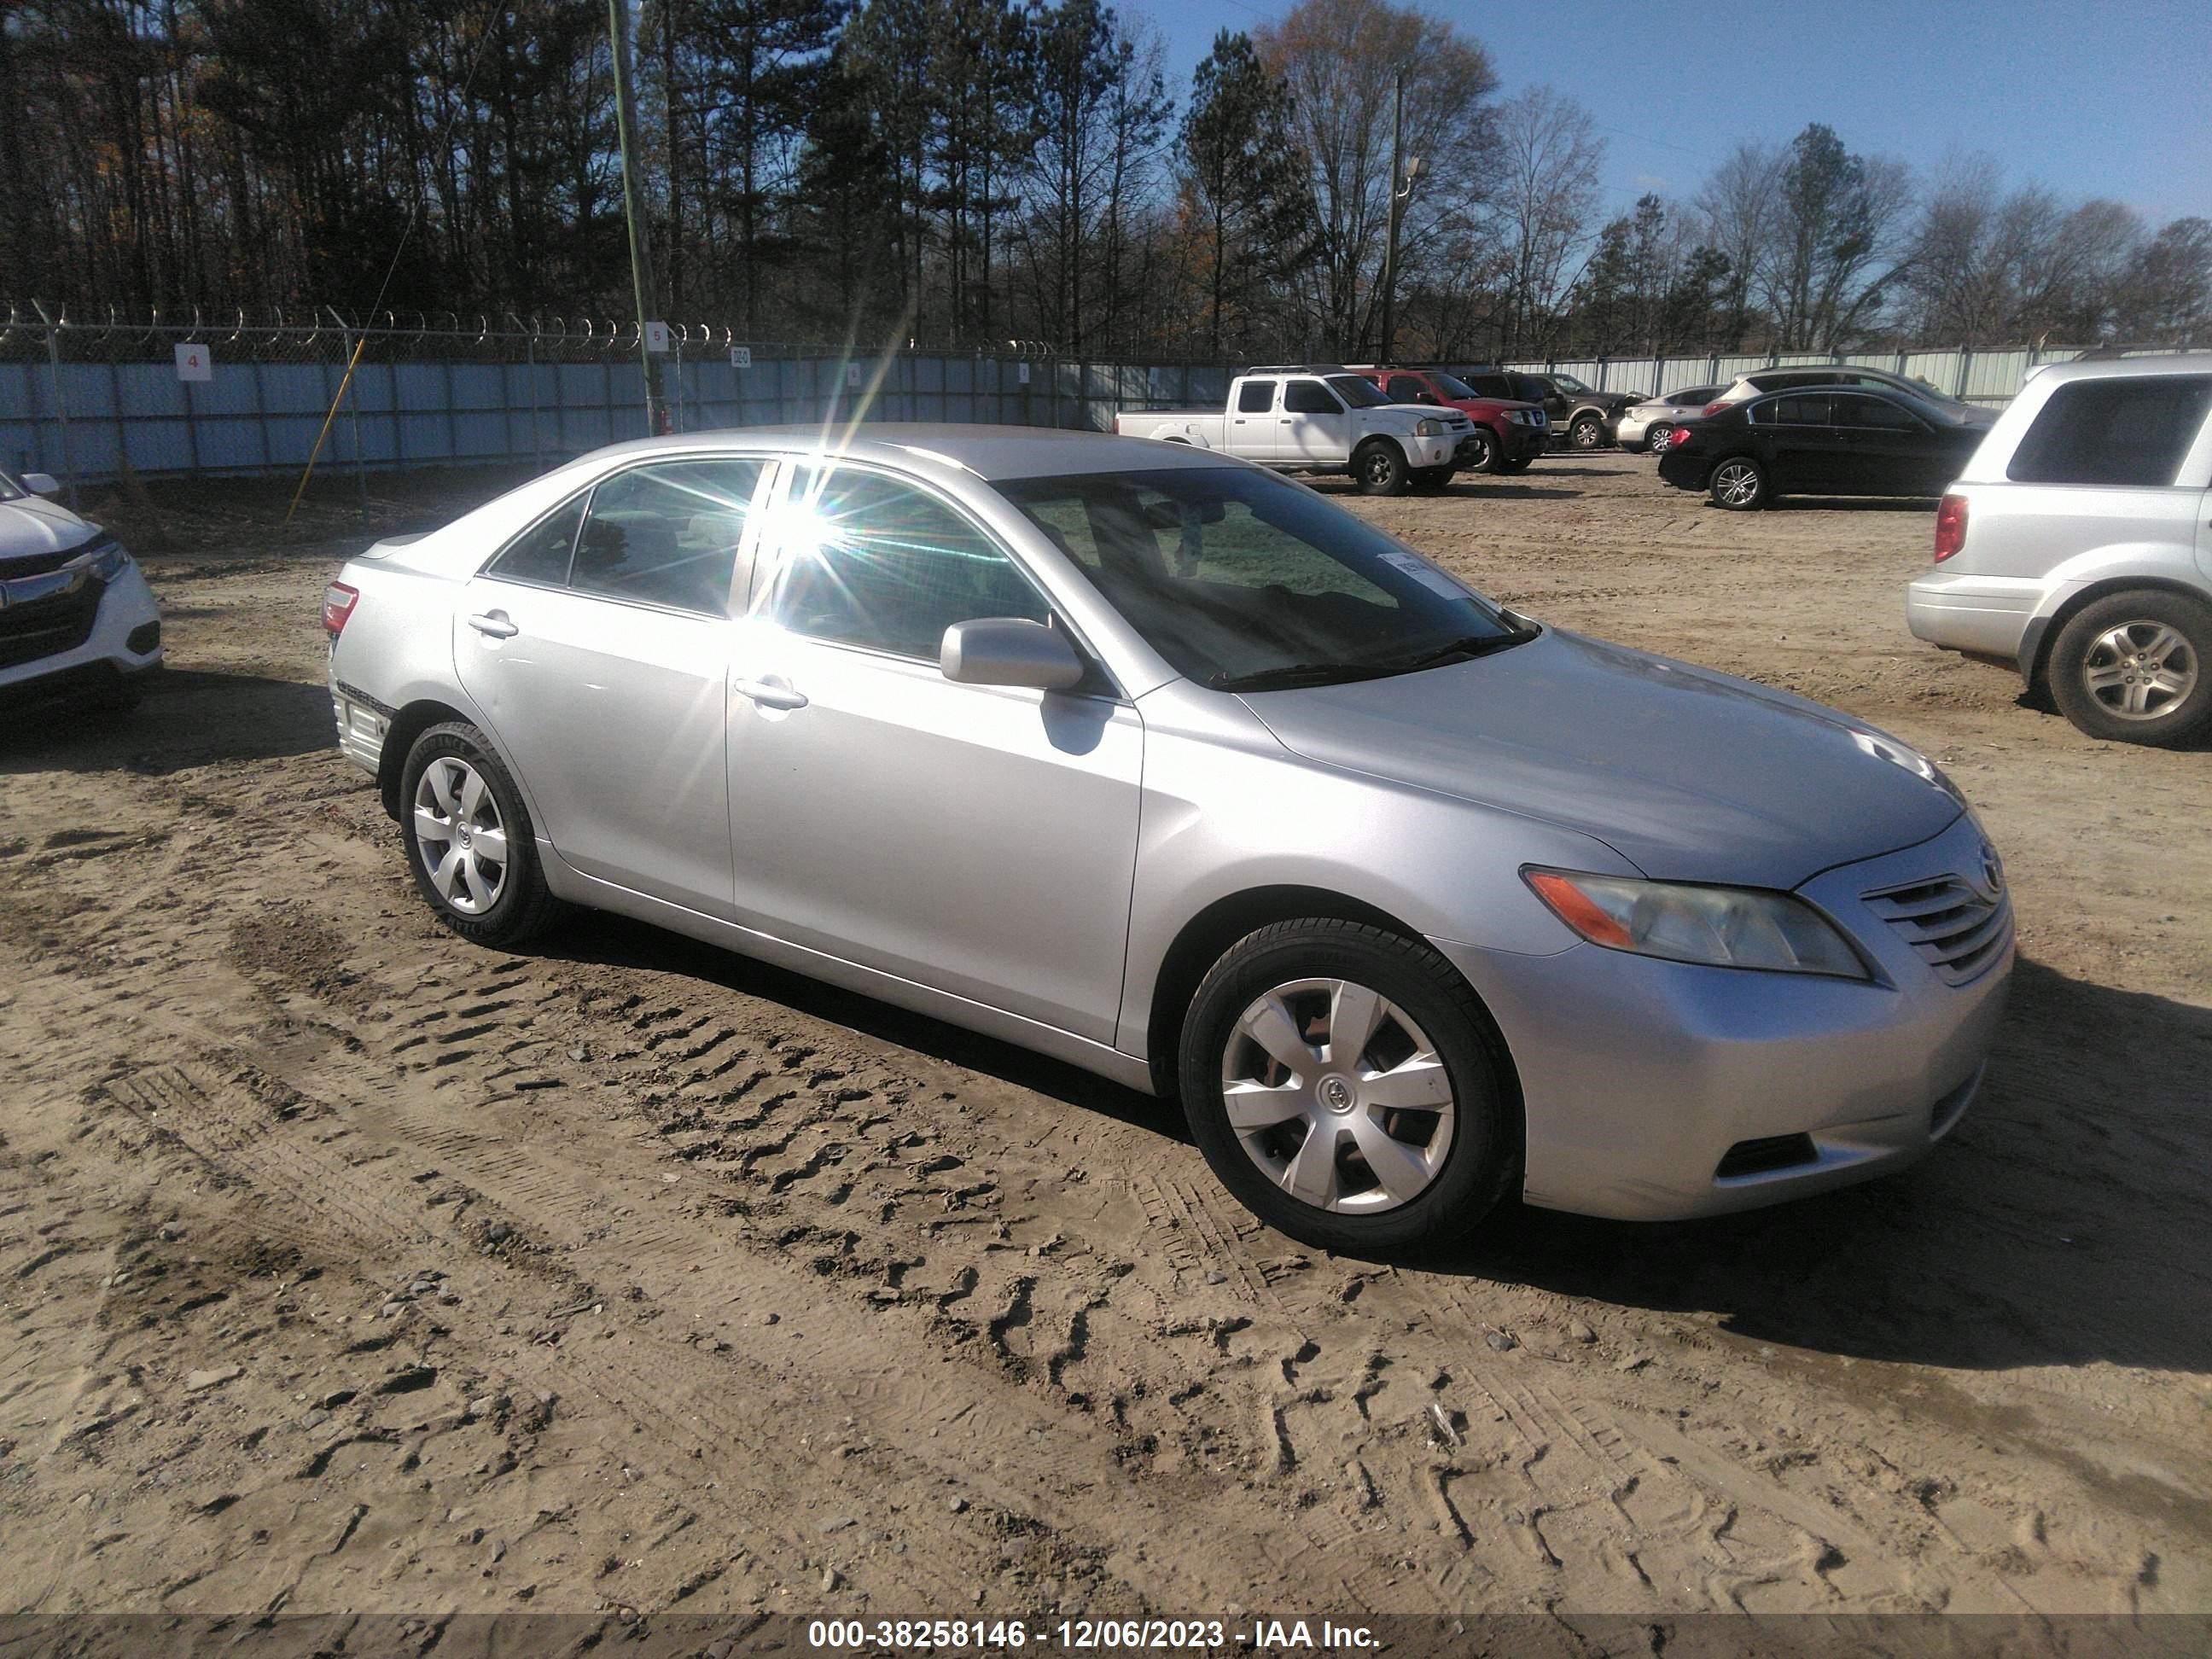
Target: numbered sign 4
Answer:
[[195, 362]]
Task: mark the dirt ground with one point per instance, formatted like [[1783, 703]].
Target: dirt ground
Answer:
[[344, 1266]]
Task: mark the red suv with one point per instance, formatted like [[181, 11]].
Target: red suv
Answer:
[[1508, 434]]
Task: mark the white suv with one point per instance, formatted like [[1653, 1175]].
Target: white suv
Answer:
[[2078, 545], [77, 620]]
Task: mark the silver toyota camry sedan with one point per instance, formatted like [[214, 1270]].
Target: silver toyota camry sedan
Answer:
[[1167, 766]]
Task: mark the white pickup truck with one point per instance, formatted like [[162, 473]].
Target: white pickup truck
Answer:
[[1315, 418]]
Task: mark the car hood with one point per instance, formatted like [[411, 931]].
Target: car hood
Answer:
[[1689, 774], [33, 524]]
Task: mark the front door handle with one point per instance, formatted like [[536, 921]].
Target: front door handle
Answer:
[[772, 692], [496, 623]]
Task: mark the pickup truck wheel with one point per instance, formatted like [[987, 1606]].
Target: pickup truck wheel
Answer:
[[1587, 432], [1345, 1084], [1381, 469], [2136, 668]]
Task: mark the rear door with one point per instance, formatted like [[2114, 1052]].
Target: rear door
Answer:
[[1802, 447], [1252, 421], [597, 645], [1315, 428]]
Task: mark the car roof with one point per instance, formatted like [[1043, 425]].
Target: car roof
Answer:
[[987, 452], [2106, 368]]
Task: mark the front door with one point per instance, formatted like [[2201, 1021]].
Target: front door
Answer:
[[1890, 451], [597, 645], [981, 840], [1316, 429]]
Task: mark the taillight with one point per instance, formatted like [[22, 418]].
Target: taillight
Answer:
[[1950, 526], [1678, 436], [338, 601], [1714, 409]]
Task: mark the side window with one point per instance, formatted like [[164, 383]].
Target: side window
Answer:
[[666, 534], [1310, 398], [1405, 389], [540, 554], [2122, 431], [872, 562], [1255, 397], [1800, 410], [1851, 409]]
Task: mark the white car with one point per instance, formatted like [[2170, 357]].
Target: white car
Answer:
[[1645, 425], [76, 618]]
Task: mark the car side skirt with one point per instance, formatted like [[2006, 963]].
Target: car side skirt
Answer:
[[570, 884]]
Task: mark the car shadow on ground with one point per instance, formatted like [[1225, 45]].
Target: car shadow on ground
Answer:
[[2065, 1221], [190, 717], [1509, 492]]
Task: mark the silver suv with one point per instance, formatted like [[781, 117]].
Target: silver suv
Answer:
[[2076, 546]]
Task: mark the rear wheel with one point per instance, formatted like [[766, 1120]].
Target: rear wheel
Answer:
[[1738, 483], [469, 839], [1654, 438], [1345, 1084], [1380, 467], [2136, 668]]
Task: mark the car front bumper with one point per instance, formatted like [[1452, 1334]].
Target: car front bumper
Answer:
[[88, 642], [1986, 616], [1640, 1077]]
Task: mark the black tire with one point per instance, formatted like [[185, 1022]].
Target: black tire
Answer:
[[2092, 640], [1431, 478], [1586, 432], [1482, 1157], [1482, 450], [522, 906], [1380, 467], [1738, 483]]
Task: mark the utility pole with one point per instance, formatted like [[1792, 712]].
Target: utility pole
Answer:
[[640, 253], [1402, 174]]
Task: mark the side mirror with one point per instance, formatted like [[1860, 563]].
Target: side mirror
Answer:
[[42, 483], [1009, 651]]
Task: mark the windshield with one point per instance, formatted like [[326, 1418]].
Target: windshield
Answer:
[[9, 489], [1451, 386], [1360, 394], [1567, 382], [1246, 581]]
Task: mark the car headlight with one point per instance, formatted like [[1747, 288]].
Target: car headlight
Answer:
[[110, 561], [1428, 428], [1718, 926]]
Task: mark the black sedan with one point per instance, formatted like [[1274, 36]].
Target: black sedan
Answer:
[[1823, 443]]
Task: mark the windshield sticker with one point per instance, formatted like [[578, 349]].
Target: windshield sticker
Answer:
[[1426, 573]]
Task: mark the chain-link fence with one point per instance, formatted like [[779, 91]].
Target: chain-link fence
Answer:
[[1981, 375], [86, 398]]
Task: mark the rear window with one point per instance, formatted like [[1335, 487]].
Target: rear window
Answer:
[[2122, 431], [1803, 409]]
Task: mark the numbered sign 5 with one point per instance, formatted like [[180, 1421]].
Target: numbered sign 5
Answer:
[[656, 336]]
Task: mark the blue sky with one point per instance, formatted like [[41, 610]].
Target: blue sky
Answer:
[[2096, 98]]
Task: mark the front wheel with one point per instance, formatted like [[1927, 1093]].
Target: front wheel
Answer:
[[2133, 668], [1481, 449], [468, 839], [1738, 483], [1381, 469], [1345, 1084], [1587, 432]]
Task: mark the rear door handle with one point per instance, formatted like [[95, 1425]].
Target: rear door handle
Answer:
[[772, 692], [496, 623]]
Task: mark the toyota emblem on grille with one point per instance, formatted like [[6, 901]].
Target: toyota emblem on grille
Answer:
[[1992, 871]]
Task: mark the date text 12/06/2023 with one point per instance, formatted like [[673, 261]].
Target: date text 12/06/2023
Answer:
[[1085, 1635]]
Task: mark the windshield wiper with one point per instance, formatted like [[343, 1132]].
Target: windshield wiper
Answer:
[[1296, 673], [1474, 645]]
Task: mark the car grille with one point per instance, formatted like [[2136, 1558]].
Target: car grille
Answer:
[[1959, 929], [45, 628], [37, 564]]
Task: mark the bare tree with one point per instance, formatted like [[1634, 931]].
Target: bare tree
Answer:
[[1738, 208], [1342, 60], [1547, 200]]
